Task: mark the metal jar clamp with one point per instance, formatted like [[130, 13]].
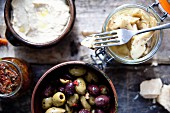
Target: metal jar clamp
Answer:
[[164, 6]]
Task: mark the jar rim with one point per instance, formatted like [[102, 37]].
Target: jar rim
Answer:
[[153, 50], [7, 95]]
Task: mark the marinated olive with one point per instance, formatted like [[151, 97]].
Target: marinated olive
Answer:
[[97, 111], [84, 103], [93, 89], [102, 101], [58, 99], [77, 71], [103, 89], [47, 103], [80, 86], [78, 91], [84, 111], [91, 77], [49, 91], [91, 100], [61, 89], [55, 110], [68, 109], [64, 81], [73, 100], [66, 76], [70, 88]]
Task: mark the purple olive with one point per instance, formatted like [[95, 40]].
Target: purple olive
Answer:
[[99, 111], [61, 89], [102, 101], [49, 91], [84, 111], [66, 76], [70, 88], [93, 89]]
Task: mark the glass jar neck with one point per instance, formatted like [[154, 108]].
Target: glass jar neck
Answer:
[[15, 68]]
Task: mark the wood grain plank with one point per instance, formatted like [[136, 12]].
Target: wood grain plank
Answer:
[[90, 17]]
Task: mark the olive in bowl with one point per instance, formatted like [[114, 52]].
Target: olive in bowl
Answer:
[[76, 95], [43, 23]]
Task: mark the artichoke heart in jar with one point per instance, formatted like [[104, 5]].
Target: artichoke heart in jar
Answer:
[[142, 46]]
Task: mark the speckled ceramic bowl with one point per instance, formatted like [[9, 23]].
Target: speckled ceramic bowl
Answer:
[[16, 40], [55, 72]]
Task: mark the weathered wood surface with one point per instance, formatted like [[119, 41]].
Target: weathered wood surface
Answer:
[[90, 17], [126, 79]]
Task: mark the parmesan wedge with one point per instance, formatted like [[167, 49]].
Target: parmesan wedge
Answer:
[[151, 89], [164, 97]]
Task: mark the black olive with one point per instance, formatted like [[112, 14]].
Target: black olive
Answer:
[[99, 111], [67, 76], [70, 88], [93, 89], [49, 91], [61, 89], [102, 101], [84, 111]]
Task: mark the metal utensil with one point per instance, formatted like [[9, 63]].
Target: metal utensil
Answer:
[[118, 37]]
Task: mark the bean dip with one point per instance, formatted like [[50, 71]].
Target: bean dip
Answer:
[[39, 21]]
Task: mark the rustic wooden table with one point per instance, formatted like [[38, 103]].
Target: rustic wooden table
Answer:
[[90, 15]]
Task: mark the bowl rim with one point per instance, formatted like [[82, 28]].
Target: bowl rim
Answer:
[[65, 32], [74, 62]]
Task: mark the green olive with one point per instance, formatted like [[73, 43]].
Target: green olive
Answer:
[[47, 103], [64, 81], [84, 103], [81, 86], [68, 109], [91, 77], [103, 89], [73, 100], [58, 99], [91, 100], [77, 71], [93, 111], [55, 110]]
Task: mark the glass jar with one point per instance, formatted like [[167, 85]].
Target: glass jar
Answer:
[[16, 77], [155, 41]]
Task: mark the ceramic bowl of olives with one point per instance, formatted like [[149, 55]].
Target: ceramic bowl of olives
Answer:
[[74, 87]]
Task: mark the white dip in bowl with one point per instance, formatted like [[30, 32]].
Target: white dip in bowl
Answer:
[[40, 21]]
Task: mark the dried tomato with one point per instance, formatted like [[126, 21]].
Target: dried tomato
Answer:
[[9, 79]]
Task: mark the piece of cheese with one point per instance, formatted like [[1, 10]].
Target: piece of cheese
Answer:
[[164, 97], [151, 89]]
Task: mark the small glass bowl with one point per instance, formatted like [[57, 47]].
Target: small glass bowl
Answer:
[[155, 42], [15, 69], [23, 71]]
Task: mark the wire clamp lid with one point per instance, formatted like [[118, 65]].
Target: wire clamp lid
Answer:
[[101, 59]]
